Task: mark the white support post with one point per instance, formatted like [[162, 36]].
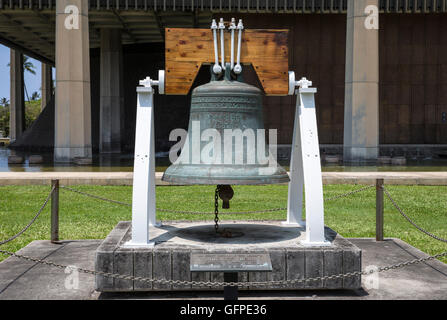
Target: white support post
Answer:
[[296, 184], [143, 197], [306, 166]]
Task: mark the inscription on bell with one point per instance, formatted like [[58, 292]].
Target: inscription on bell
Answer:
[[219, 99], [226, 120]]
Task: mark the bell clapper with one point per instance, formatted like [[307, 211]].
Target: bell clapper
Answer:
[[226, 193], [217, 69], [238, 67]]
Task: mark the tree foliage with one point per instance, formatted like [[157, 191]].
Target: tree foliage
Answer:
[[32, 107], [32, 111], [4, 121]]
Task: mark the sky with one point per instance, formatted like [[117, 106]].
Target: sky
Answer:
[[32, 82]]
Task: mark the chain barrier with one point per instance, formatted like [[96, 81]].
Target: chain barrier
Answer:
[[221, 284], [32, 220], [95, 196], [411, 221], [350, 193], [204, 213]]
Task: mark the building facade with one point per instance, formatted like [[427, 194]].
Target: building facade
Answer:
[[381, 89]]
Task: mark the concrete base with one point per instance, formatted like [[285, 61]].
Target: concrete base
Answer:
[[20, 279], [35, 159], [175, 241], [360, 154], [399, 161], [67, 155], [15, 159]]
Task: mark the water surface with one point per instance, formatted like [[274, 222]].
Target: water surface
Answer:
[[124, 162]]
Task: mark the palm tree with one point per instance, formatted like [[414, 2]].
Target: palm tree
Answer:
[[4, 102], [35, 96], [27, 66]]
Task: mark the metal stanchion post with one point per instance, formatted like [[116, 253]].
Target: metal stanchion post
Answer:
[[230, 292], [379, 209], [55, 211]]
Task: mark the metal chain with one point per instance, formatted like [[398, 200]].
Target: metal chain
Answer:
[[96, 197], [32, 220], [221, 284], [169, 210], [216, 209], [411, 221], [204, 213], [350, 193]]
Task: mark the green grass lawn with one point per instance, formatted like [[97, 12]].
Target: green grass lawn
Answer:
[[86, 218]]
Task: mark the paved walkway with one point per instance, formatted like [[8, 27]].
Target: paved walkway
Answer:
[[126, 178], [25, 280]]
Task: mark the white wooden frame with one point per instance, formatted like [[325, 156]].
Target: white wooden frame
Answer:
[[305, 166], [143, 192]]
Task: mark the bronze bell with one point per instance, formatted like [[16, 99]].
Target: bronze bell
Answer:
[[220, 105]]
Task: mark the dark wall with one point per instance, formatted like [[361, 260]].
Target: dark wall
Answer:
[[413, 78], [95, 66], [140, 61], [171, 112], [317, 46], [317, 51]]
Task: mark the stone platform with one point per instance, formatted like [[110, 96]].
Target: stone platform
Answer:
[[175, 241]]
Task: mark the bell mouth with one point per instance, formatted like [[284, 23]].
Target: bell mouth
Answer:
[[225, 175]]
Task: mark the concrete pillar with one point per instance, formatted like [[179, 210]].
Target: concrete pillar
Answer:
[[361, 126], [17, 100], [112, 98], [47, 85], [73, 109]]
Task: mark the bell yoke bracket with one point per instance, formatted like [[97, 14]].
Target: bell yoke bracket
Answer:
[[217, 69], [148, 83], [303, 84]]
